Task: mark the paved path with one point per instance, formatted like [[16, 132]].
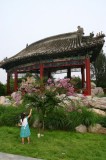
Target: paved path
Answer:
[[5, 156]]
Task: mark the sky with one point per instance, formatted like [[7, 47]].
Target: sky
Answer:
[[27, 21]]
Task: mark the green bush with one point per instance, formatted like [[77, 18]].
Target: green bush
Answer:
[[61, 119], [102, 120], [9, 116], [74, 119], [88, 117], [77, 82], [2, 89], [56, 119]]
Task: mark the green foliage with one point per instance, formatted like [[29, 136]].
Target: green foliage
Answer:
[[11, 84], [28, 74], [88, 117], [9, 116], [44, 103], [61, 119], [74, 119], [52, 118], [102, 120], [56, 120], [77, 82], [100, 70], [51, 101], [2, 89], [55, 116]]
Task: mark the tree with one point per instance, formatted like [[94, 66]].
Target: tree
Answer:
[[44, 101], [100, 70], [2, 89]]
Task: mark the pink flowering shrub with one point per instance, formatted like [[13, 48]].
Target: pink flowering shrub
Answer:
[[62, 86]]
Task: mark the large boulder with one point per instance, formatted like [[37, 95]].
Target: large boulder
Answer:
[[97, 128], [93, 85], [81, 129], [2, 100], [98, 111], [16, 96], [99, 103], [5, 101], [97, 91]]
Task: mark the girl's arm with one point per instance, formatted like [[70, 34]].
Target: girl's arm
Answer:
[[20, 123], [30, 113]]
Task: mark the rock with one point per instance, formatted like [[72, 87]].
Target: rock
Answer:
[[102, 130], [93, 85], [16, 96], [99, 103], [2, 100], [5, 101], [92, 102], [95, 128], [81, 129], [98, 111], [97, 91]]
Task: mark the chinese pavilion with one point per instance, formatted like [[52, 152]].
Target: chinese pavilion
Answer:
[[64, 51]]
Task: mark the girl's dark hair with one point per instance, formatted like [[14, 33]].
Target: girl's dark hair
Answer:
[[23, 115]]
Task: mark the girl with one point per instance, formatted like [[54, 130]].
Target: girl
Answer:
[[25, 131]]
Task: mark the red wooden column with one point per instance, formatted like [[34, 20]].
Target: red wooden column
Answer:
[[88, 79], [15, 81], [83, 76], [8, 83], [41, 71]]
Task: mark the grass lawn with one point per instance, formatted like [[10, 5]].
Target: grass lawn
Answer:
[[55, 145]]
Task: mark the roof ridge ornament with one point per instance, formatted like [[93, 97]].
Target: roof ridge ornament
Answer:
[[80, 30], [91, 35], [100, 34], [26, 45]]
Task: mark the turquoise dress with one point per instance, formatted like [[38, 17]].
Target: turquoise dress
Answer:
[[25, 131]]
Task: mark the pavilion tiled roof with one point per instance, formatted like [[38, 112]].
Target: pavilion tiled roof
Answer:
[[59, 46]]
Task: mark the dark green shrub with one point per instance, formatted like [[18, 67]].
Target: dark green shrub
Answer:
[[57, 119], [9, 116], [77, 82], [74, 119], [102, 120], [2, 89], [88, 117]]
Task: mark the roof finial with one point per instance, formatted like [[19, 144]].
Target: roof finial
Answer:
[[80, 30], [26, 45], [91, 34]]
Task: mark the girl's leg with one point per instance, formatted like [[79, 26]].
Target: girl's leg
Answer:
[[28, 139], [22, 140]]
